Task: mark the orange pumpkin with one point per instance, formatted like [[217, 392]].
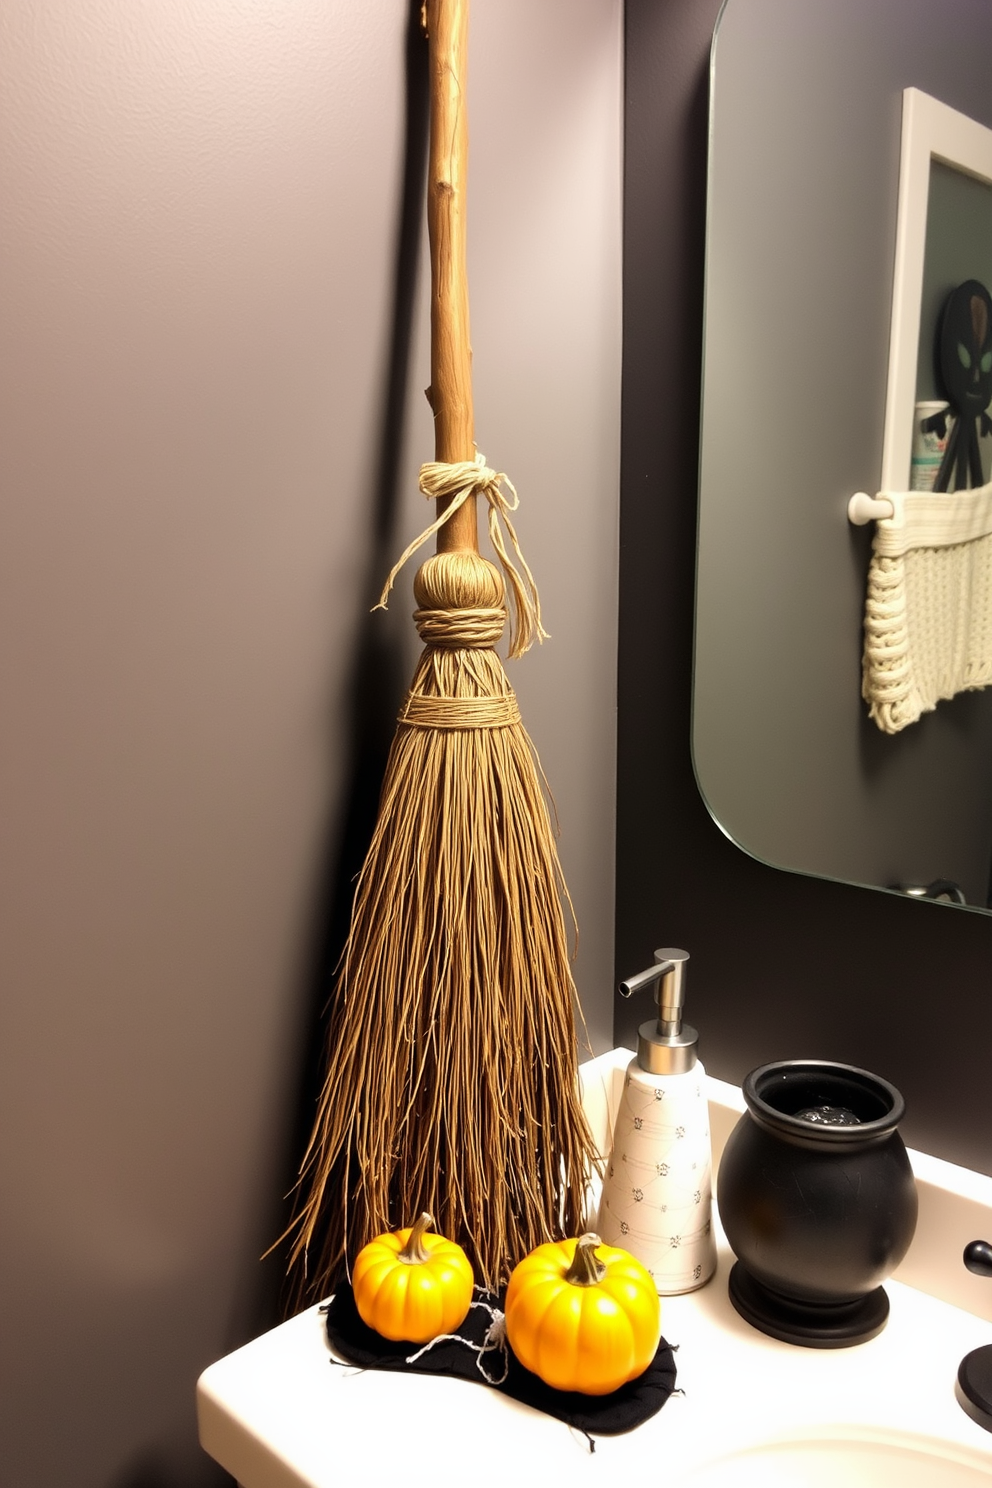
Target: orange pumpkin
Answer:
[[582, 1315], [411, 1285]]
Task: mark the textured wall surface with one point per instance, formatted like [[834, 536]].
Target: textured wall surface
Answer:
[[213, 320]]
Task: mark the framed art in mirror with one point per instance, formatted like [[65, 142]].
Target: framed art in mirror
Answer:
[[933, 136]]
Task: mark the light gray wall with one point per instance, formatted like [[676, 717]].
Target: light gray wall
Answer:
[[199, 226], [807, 106]]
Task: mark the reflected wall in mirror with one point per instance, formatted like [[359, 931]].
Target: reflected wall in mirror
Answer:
[[943, 240], [958, 248], [806, 114]]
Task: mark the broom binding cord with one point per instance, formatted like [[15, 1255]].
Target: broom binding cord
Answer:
[[454, 485], [460, 713]]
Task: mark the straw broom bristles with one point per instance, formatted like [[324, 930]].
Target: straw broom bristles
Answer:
[[453, 1083]]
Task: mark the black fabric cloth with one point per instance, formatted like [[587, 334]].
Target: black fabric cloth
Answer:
[[596, 1415]]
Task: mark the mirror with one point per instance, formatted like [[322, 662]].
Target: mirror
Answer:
[[806, 123]]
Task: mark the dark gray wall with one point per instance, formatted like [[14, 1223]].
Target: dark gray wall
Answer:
[[807, 107], [783, 965]]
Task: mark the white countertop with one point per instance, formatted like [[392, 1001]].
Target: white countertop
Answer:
[[279, 1414]]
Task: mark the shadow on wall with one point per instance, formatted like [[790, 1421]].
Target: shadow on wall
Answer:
[[376, 686], [152, 1470]]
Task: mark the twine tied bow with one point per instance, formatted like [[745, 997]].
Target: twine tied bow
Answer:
[[456, 482]]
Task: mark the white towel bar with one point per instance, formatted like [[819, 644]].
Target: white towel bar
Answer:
[[862, 509]]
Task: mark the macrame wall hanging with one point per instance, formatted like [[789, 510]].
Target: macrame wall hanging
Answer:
[[928, 611]]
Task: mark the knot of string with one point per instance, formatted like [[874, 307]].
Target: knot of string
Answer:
[[493, 1343], [455, 482]]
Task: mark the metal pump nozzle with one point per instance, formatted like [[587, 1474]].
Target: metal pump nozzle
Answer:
[[669, 1046]]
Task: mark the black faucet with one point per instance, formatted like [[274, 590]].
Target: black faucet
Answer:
[[974, 1382]]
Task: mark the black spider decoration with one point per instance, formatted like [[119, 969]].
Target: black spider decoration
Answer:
[[965, 360]]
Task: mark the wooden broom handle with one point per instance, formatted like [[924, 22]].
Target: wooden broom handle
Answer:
[[451, 348]]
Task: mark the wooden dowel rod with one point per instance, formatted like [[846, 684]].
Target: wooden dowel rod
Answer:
[[451, 347]]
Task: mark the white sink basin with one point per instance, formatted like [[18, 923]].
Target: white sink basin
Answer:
[[851, 1461]]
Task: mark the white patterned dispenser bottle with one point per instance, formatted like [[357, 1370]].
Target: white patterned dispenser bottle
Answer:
[[656, 1195]]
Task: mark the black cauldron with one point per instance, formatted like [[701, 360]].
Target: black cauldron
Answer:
[[818, 1201]]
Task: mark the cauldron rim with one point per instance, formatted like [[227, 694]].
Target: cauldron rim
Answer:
[[786, 1075]]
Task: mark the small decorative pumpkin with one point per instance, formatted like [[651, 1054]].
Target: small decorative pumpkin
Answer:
[[411, 1285], [582, 1315]]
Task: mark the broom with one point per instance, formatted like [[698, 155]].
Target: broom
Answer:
[[452, 1081]]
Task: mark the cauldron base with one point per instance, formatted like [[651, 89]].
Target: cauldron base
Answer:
[[820, 1325], [974, 1385]]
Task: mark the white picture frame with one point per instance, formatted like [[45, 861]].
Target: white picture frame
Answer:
[[931, 130]]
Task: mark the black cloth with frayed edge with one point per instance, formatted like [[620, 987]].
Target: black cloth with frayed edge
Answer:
[[603, 1415]]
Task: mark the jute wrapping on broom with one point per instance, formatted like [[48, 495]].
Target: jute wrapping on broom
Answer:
[[452, 484], [452, 1080]]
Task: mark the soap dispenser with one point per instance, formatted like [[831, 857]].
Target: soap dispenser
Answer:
[[656, 1193]]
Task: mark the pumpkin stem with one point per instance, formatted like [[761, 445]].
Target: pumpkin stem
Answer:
[[586, 1268], [414, 1252]]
